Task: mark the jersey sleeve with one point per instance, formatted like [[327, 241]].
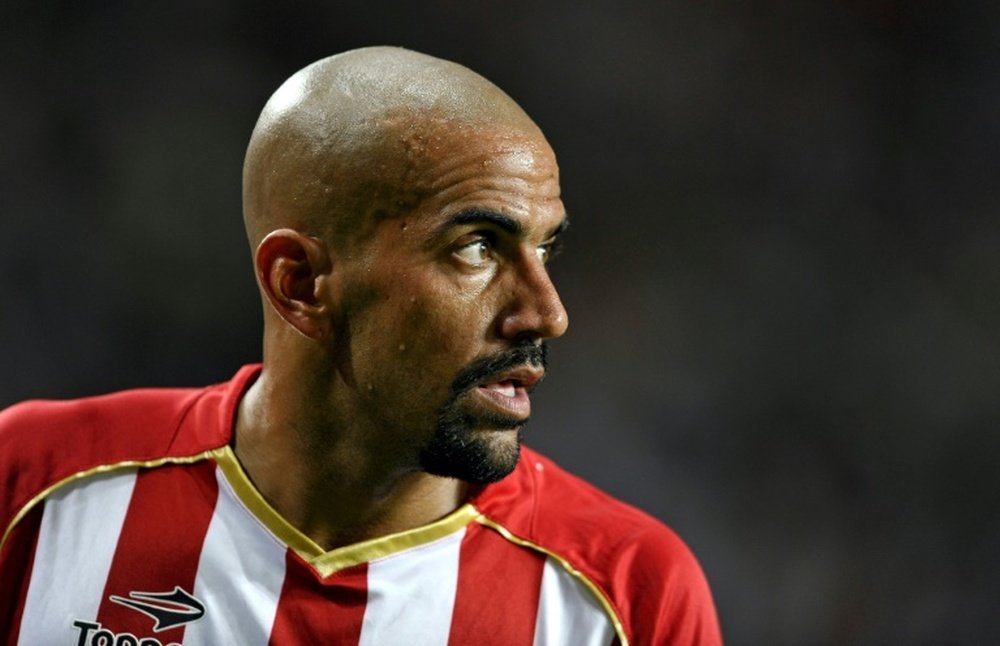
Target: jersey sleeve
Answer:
[[660, 591]]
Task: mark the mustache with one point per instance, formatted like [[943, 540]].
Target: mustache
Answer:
[[481, 370]]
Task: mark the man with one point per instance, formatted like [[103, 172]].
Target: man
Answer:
[[366, 484]]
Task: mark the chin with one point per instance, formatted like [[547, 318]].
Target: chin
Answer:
[[475, 456]]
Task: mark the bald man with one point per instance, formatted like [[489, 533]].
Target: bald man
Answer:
[[366, 483]]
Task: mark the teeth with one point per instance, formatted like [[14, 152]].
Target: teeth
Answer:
[[505, 388]]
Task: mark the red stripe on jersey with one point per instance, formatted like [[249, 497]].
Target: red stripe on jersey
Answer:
[[312, 610], [498, 589], [16, 561], [160, 543]]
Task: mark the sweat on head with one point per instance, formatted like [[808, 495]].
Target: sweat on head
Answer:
[[345, 134]]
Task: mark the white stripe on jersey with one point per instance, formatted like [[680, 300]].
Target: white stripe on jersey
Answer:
[[76, 544], [240, 574], [411, 595], [568, 613]]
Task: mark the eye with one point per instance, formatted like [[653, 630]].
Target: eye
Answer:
[[475, 253], [548, 251]]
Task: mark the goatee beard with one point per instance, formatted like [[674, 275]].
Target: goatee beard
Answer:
[[457, 449]]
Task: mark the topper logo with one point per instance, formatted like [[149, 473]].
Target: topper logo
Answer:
[[168, 609]]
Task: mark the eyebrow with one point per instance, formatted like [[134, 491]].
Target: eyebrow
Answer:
[[501, 221]]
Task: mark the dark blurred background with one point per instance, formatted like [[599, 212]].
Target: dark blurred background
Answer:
[[782, 276]]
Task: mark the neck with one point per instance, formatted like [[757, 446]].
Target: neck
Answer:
[[338, 489]]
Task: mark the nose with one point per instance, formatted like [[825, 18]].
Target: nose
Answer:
[[534, 309]]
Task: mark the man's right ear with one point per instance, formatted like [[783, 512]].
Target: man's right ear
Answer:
[[292, 269]]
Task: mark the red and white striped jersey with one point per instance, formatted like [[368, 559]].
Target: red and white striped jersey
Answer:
[[128, 521]]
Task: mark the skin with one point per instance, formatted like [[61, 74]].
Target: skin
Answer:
[[400, 226]]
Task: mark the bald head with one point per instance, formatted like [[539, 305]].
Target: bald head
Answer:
[[339, 145]]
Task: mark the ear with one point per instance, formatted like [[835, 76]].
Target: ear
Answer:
[[292, 269]]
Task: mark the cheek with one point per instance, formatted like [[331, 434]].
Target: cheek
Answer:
[[417, 351], [441, 327], [437, 329], [420, 324]]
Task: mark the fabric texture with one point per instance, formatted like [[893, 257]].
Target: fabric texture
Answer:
[[127, 519]]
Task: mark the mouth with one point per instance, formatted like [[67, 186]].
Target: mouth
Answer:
[[509, 392]]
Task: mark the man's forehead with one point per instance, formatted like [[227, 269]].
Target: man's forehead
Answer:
[[522, 160], [505, 150]]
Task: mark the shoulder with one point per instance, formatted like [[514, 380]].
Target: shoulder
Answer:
[[43, 443], [644, 569], [41, 421], [114, 426], [560, 509]]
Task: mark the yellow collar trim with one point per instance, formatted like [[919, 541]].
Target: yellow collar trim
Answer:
[[326, 563]]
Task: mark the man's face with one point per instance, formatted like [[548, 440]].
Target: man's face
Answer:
[[446, 306]]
